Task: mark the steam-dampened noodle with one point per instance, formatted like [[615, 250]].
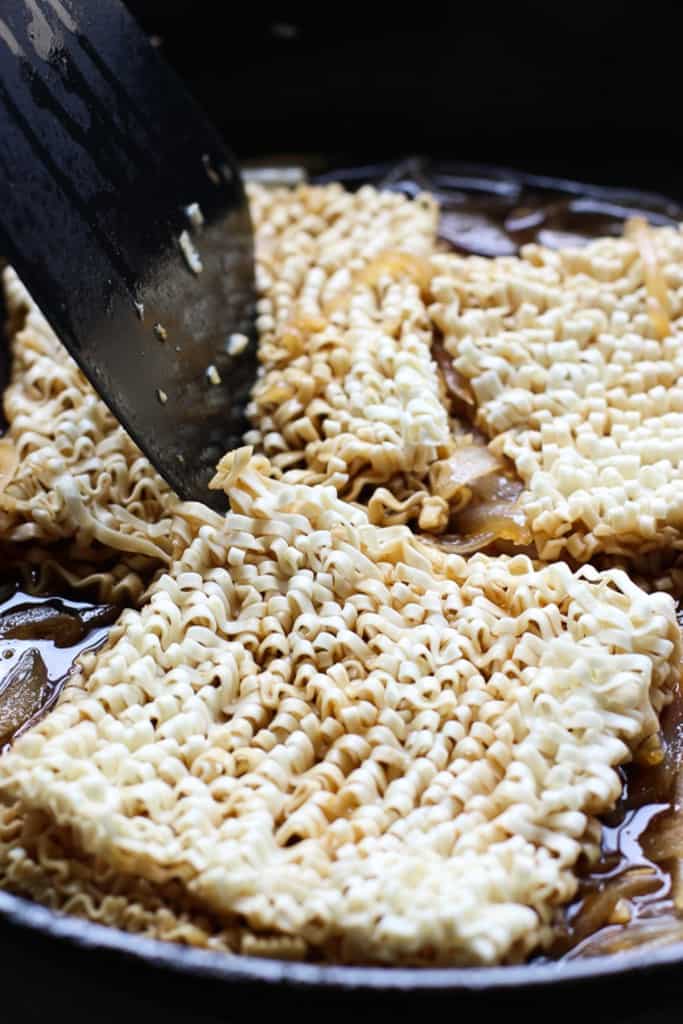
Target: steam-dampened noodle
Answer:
[[579, 383], [333, 732], [316, 735]]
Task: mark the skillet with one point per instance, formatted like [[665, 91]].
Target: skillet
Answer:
[[66, 969]]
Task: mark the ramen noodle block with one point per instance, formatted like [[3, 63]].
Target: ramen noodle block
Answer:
[[575, 361], [349, 393], [325, 730], [316, 736]]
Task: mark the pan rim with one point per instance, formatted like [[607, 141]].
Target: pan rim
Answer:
[[238, 969]]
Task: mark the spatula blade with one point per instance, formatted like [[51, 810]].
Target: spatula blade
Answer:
[[125, 216]]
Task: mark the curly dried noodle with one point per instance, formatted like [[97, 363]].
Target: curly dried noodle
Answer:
[[326, 729], [579, 385], [69, 474], [316, 725], [349, 392]]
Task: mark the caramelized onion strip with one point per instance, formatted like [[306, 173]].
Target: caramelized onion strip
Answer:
[[22, 693], [9, 461], [502, 518], [393, 263], [457, 387], [640, 233]]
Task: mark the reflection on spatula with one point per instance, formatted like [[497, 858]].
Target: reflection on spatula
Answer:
[[124, 215]]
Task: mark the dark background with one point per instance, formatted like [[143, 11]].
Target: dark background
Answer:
[[585, 89]]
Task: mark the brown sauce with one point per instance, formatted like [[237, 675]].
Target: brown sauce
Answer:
[[633, 894], [493, 212], [494, 227], [625, 886], [41, 638]]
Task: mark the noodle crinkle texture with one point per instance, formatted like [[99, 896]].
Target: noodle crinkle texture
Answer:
[[348, 392], [326, 730], [578, 382]]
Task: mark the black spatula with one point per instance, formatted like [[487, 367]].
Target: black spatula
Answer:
[[125, 216]]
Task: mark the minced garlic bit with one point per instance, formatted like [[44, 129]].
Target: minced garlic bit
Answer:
[[325, 730], [161, 332], [189, 251], [162, 396], [349, 391], [575, 383], [194, 215], [237, 344], [140, 310], [213, 374]]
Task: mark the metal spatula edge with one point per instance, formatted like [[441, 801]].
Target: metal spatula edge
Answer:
[[124, 214]]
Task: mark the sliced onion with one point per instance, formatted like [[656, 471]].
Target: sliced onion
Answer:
[[459, 390], [649, 932], [469, 464], [640, 232], [9, 460], [397, 263], [498, 488], [454, 544], [455, 476], [485, 524], [664, 838], [597, 909], [392, 263], [22, 693], [505, 520], [657, 783]]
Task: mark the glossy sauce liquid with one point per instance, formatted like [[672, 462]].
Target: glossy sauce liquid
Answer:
[[40, 639], [626, 886], [634, 894]]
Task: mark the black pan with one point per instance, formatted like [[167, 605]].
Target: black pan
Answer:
[[57, 968]]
